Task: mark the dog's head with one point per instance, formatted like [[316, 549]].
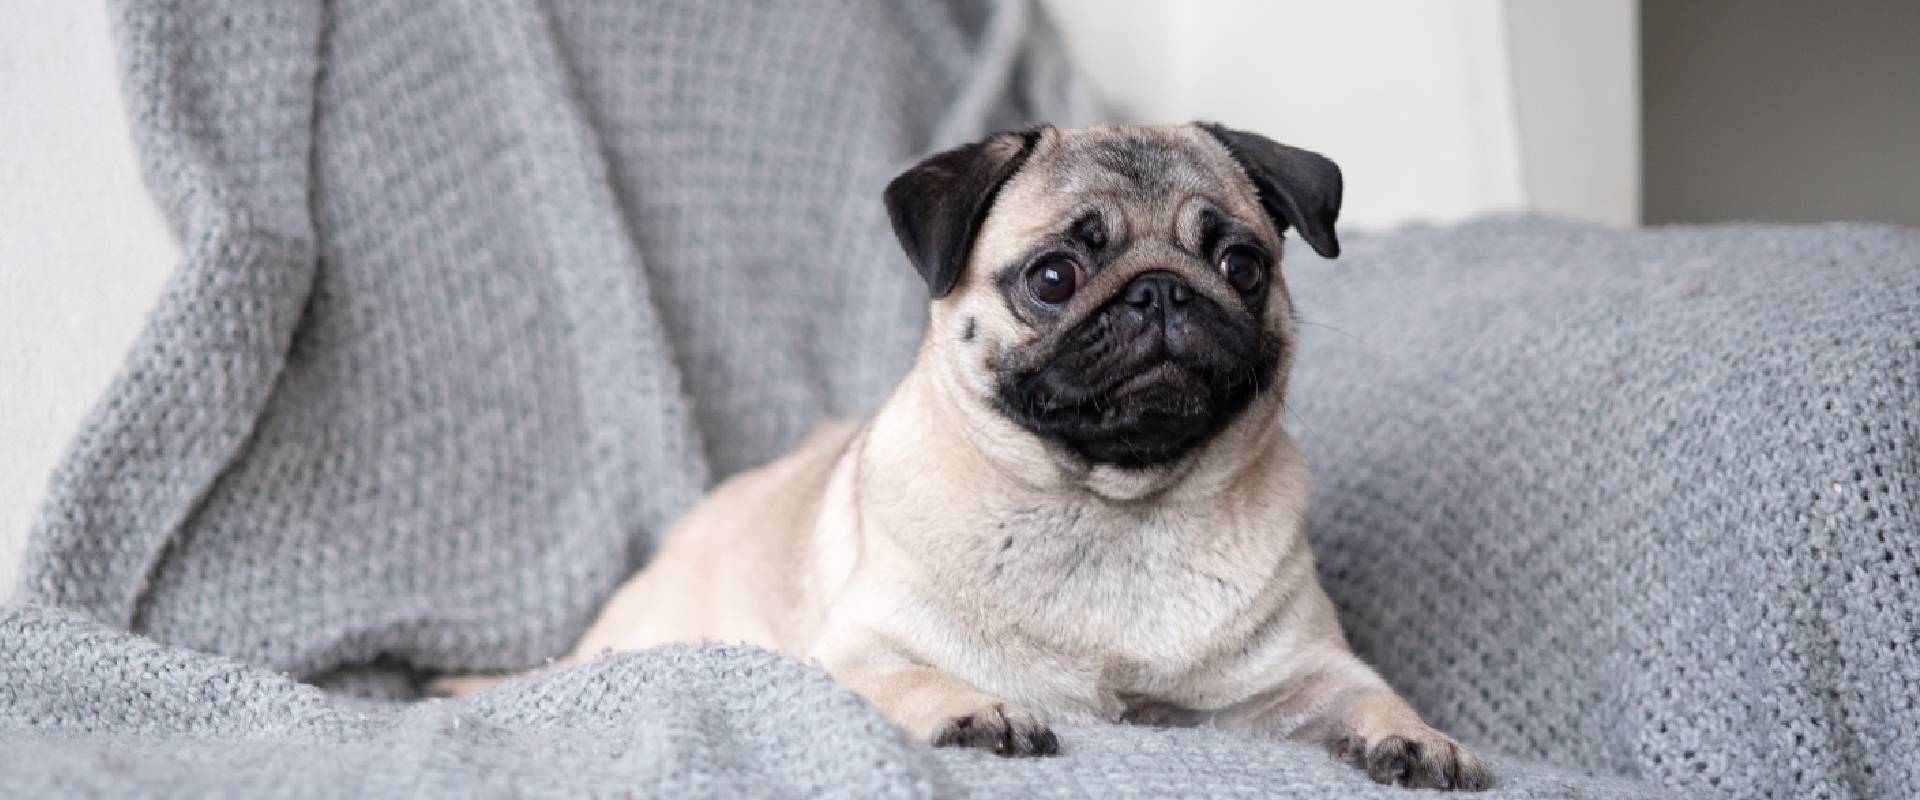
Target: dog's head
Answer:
[[1115, 291]]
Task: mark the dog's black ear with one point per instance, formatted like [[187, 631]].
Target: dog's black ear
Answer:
[[1297, 187], [937, 205]]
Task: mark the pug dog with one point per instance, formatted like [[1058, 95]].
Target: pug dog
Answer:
[[1079, 505]]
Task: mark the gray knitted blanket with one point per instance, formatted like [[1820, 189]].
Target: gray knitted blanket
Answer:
[[479, 295]]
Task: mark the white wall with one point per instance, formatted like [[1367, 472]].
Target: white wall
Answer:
[[83, 251], [1436, 111]]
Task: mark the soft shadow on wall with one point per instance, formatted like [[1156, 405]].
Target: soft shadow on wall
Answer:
[[1782, 111]]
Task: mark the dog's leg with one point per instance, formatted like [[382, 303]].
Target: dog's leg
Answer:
[[1343, 705], [450, 686], [936, 707]]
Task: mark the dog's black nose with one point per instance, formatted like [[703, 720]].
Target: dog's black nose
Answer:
[[1162, 290]]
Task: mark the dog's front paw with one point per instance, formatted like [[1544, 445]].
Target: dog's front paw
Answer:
[[1416, 759], [1001, 729]]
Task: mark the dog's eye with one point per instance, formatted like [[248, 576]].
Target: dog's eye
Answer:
[[1054, 280], [1243, 268]]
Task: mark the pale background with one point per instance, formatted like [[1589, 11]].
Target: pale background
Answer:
[[1438, 111]]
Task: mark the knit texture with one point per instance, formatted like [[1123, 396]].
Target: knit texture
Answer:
[[1636, 502], [86, 711], [479, 296]]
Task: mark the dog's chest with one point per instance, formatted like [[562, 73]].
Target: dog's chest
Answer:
[[1112, 611]]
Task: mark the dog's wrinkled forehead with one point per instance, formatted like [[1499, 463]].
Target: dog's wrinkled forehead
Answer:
[[1141, 171], [1152, 162]]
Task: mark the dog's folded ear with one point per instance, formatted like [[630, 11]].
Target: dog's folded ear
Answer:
[[1297, 187], [937, 205]]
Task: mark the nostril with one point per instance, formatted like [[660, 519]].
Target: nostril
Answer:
[[1157, 289]]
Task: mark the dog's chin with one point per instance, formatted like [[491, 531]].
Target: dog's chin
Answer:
[[1149, 418]]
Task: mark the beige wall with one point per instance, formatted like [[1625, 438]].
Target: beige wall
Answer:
[[1576, 84]]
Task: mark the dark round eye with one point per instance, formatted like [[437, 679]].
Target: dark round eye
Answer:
[[1243, 268], [1054, 280]]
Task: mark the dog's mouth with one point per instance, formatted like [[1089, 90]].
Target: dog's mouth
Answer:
[[1161, 389], [1155, 378], [1151, 418], [1130, 400]]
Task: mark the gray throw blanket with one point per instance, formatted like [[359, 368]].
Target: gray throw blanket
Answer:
[[478, 296]]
